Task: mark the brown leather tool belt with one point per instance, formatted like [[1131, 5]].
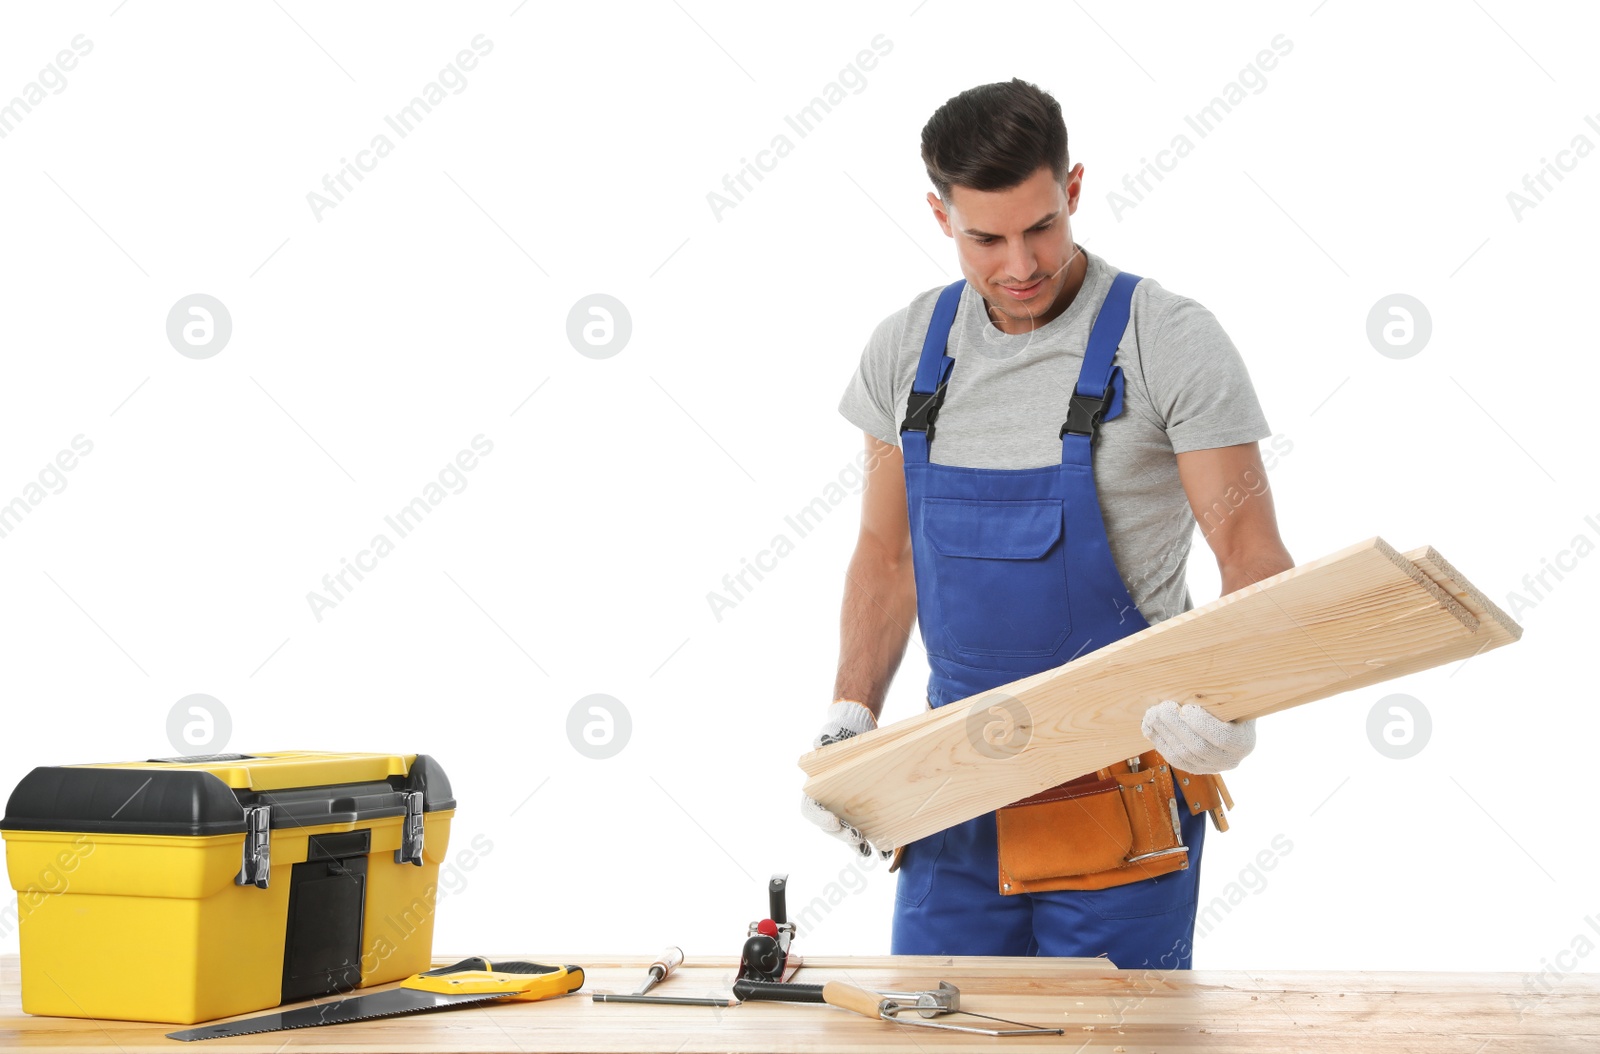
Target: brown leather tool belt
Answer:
[[1106, 828]]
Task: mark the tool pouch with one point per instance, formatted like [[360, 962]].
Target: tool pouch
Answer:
[[1108, 828], [1205, 794]]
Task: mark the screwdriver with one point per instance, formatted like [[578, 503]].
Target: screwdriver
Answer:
[[665, 963]]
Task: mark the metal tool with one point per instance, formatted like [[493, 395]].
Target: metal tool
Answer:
[[946, 1000], [667, 962], [766, 958], [668, 1000], [469, 981], [766, 954], [670, 960], [748, 990]]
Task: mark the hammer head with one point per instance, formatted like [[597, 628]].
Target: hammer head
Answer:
[[946, 999]]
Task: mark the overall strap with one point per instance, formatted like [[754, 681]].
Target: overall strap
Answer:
[[933, 374], [1098, 394]]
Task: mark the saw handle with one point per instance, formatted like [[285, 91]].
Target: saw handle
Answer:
[[518, 980], [476, 962], [517, 966], [849, 997]]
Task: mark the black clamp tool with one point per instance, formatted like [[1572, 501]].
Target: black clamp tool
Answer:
[[765, 960], [766, 955]]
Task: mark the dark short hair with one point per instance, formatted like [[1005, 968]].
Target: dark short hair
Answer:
[[993, 137]]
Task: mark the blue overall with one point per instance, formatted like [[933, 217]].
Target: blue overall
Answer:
[[1014, 576]]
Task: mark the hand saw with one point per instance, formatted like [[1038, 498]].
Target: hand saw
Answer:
[[469, 981]]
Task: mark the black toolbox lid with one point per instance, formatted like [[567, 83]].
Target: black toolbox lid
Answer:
[[169, 796]]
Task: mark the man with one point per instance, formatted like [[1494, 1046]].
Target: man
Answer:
[[1085, 419]]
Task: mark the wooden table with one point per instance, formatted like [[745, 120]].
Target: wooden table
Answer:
[[1101, 1009]]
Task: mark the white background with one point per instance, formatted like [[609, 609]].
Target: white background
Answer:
[[430, 305]]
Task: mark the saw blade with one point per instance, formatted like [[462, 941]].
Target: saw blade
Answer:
[[357, 1008]]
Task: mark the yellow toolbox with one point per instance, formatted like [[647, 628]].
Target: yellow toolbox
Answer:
[[185, 889]]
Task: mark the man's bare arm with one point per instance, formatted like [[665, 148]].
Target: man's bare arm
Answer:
[[1228, 491], [880, 590]]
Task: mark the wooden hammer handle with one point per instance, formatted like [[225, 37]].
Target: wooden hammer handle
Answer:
[[857, 1000]]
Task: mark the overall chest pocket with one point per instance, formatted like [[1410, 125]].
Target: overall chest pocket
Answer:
[[1000, 571]]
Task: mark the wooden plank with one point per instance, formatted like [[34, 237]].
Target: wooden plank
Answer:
[[860, 746], [1102, 1010], [1356, 617], [1496, 627], [840, 754], [1503, 627], [1371, 670]]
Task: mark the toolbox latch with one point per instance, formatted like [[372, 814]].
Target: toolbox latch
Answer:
[[257, 865], [410, 851]]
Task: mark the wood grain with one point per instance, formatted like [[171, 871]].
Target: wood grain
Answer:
[[1356, 617], [1102, 1009], [1495, 626]]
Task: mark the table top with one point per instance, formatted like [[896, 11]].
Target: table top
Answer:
[[1100, 1009]]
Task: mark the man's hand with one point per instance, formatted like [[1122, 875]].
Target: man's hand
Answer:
[[1194, 741], [844, 719]]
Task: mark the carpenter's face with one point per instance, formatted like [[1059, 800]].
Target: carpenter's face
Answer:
[[1015, 245]]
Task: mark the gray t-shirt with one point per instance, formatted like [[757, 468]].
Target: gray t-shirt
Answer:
[[1186, 388]]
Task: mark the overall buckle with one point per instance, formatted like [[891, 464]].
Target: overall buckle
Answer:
[[1084, 413], [922, 409]]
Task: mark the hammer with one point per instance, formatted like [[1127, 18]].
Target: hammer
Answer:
[[886, 1006], [947, 1000]]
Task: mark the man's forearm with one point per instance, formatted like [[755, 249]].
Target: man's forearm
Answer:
[[1261, 562], [879, 609]]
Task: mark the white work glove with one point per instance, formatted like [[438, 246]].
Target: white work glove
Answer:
[[844, 719], [1194, 741]]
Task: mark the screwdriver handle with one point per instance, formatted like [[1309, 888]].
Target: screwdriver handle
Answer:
[[667, 962]]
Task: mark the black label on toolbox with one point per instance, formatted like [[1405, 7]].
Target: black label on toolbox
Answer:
[[322, 938]]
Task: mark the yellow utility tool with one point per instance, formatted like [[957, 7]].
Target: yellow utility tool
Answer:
[[465, 983]]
